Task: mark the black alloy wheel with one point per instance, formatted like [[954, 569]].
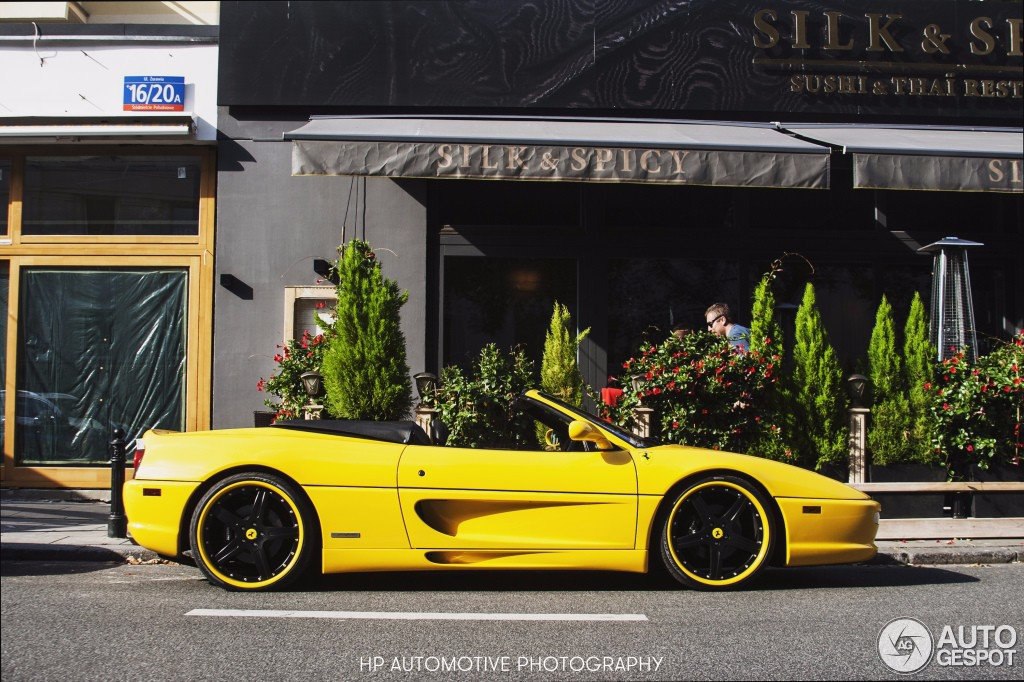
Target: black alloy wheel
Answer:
[[253, 531], [718, 534]]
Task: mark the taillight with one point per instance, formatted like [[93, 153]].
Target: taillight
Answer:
[[140, 451]]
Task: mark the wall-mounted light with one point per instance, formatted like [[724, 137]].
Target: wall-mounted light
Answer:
[[326, 271]]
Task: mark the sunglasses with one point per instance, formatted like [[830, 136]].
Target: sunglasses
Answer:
[[711, 323]]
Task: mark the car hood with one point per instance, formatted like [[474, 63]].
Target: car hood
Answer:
[[659, 468]]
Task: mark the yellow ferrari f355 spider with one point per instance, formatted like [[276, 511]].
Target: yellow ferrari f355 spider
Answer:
[[256, 508]]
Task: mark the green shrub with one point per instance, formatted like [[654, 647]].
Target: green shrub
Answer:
[[766, 338], [364, 368], [976, 409], [765, 331], [818, 401], [919, 369], [889, 432], [559, 370], [707, 394], [285, 384], [479, 409]]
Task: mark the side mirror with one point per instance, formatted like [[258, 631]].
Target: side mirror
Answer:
[[585, 431]]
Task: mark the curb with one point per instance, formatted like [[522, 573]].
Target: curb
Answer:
[[951, 556], [18, 551]]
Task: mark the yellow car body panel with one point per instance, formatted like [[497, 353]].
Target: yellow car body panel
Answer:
[[660, 468], [359, 518], [392, 506], [622, 560], [308, 458], [461, 519], [467, 498], [829, 531], [156, 513]]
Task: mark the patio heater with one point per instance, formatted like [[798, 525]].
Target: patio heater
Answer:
[[952, 311]]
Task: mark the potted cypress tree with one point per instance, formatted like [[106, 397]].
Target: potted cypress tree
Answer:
[[766, 341], [890, 444], [364, 366], [559, 370], [919, 370], [818, 400]]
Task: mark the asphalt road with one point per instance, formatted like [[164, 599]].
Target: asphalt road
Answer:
[[102, 621]]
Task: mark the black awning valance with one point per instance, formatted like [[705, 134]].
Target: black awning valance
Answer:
[[958, 160], [739, 155]]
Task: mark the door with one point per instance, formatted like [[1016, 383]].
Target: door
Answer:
[[559, 495]]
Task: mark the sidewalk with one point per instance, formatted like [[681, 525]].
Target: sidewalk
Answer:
[[56, 525]]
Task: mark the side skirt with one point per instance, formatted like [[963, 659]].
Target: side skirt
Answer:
[[356, 560]]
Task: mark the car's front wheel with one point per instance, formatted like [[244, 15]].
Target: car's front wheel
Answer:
[[718, 533], [253, 531]]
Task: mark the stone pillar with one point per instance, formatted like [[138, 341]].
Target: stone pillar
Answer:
[[642, 417], [858, 444], [425, 418], [312, 411]]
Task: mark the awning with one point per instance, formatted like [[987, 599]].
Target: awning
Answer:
[[96, 128], [963, 160], [721, 154]]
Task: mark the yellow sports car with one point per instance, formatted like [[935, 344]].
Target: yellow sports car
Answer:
[[255, 508]]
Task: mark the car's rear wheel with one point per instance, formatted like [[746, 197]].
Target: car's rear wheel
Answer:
[[253, 531], [718, 533]]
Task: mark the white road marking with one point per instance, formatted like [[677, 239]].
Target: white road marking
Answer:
[[415, 615]]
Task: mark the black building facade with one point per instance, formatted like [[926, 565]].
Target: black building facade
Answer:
[[636, 161]]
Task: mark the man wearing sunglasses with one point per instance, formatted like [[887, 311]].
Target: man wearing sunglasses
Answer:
[[720, 322]]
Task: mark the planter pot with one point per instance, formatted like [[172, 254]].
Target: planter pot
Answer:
[[909, 505], [262, 418], [838, 472], [999, 505]]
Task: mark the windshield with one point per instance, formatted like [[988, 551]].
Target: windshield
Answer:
[[631, 438]]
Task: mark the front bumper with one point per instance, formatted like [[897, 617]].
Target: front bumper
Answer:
[[829, 531], [154, 510]]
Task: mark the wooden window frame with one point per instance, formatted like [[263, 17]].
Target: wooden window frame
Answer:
[[193, 252]]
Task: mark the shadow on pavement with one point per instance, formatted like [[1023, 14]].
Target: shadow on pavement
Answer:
[[11, 569], [831, 577]]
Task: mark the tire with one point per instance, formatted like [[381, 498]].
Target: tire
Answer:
[[253, 532], [718, 534]]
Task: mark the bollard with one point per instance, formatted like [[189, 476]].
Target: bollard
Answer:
[[117, 524]]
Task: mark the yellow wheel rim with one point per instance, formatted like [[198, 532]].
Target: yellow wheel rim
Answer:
[[250, 534], [718, 534]]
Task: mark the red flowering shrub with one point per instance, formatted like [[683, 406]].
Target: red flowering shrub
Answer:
[[976, 409], [285, 384], [708, 394]]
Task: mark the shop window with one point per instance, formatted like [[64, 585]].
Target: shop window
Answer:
[[656, 206], [648, 298], [964, 214], [504, 300], [111, 195], [839, 208], [510, 203], [97, 349], [307, 309], [5, 194]]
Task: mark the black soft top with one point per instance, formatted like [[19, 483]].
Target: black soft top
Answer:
[[404, 432]]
